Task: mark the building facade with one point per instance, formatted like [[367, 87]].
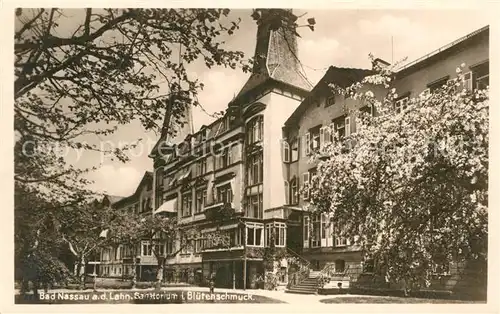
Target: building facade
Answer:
[[237, 181], [308, 127], [226, 180]]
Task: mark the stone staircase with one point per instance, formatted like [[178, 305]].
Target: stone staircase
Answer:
[[307, 286]]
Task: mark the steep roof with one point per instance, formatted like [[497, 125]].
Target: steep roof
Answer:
[[440, 53], [342, 77]]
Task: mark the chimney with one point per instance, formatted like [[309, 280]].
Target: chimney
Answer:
[[379, 64]]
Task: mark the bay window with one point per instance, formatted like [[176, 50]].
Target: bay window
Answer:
[[254, 233], [275, 234]]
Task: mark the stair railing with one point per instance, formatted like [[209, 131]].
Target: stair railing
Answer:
[[302, 273], [328, 272]]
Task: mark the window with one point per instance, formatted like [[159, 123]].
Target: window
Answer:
[[286, 151], [437, 84], [287, 193], [159, 249], [254, 234], [201, 196], [340, 128], [225, 194], [202, 166], [279, 234], [316, 231], [306, 180], [187, 202], [347, 123], [255, 130], [340, 241], [225, 158], [401, 104], [169, 247], [294, 151], [294, 196], [306, 228], [146, 204], [330, 101], [254, 206], [158, 185], [325, 135], [307, 143], [275, 234], [315, 137], [255, 171], [467, 81], [146, 249], [481, 75], [369, 109], [323, 228]]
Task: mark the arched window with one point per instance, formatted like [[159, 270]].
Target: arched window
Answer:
[[286, 151], [255, 129]]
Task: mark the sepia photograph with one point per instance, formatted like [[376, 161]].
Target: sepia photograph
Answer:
[[299, 156]]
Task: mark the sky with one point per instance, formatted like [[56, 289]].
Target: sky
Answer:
[[341, 38]]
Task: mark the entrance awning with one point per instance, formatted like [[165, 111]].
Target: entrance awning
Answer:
[[167, 207]]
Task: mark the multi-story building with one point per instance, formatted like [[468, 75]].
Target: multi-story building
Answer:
[[227, 178], [307, 129], [117, 261], [237, 181]]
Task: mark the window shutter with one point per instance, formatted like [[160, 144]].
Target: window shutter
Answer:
[[286, 151], [347, 126], [321, 137], [305, 179], [308, 143]]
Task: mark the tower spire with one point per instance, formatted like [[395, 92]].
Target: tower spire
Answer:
[[276, 51]]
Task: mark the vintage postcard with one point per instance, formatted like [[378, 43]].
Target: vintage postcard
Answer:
[[298, 157]]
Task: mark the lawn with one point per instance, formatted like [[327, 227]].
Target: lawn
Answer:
[[394, 300], [143, 297]]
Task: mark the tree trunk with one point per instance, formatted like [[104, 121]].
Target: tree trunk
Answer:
[[159, 273], [134, 267], [81, 273]]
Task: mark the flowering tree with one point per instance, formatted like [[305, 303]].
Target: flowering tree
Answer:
[[410, 186], [158, 230]]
